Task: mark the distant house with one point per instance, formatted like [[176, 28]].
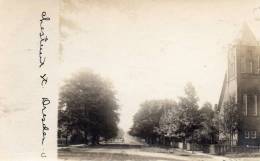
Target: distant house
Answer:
[[242, 81]]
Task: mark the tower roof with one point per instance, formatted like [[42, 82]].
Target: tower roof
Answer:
[[246, 36]]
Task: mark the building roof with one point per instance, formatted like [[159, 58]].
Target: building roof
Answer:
[[223, 91], [248, 34]]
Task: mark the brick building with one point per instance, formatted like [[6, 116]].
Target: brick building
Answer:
[[242, 81]]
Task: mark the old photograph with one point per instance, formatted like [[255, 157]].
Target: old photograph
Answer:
[[159, 80], [130, 80]]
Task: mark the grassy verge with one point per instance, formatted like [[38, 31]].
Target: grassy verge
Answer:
[[102, 156]]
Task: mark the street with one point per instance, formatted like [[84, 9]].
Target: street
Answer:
[[131, 153], [130, 150]]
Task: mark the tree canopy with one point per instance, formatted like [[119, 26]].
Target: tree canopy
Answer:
[[146, 120], [88, 107], [181, 121]]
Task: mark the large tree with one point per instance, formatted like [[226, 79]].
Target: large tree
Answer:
[[181, 121], [146, 121], [188, 118], [208, 132], [167, 123], [88, 107]]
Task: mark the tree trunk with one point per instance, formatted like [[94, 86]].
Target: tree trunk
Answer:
[[66, 140], [67, 135], [191, 144], [231, 141], [95, 140], [85, 137]]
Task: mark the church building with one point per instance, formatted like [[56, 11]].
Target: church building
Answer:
[[242, 81]]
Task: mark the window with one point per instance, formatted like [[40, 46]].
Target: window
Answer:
[[251, 104], [250, 66], [253, 134], [243, 64], [255, 105], [232, 62], [258, 64], [250, 134], [246, 134], [250, 60], [245, 104]]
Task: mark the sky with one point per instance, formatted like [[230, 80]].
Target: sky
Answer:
[[151, 49]]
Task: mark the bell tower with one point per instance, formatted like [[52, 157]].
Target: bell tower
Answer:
[[242, 81], [248, 86]]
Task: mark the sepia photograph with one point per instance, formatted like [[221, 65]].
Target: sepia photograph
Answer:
[[159, 80], [130, 80]]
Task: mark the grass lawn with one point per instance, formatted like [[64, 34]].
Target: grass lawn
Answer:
[[178, 152], [102, 156], [244, 155], [117, 153]]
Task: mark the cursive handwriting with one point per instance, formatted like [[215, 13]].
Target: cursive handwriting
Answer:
[[45, 102], [43, 155], [44, 79], [43, 37]]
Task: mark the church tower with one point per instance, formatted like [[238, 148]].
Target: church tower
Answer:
[[242, 81]]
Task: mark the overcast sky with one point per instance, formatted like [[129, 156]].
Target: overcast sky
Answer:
[[151, 49]]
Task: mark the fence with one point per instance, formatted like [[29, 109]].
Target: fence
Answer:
[[220, 149], [224, 149]]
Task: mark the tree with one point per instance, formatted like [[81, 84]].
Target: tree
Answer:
[[146, 121], [209, 120], [181, 121], [167, 122], [230, 119], [188, 117], [88, 107]]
